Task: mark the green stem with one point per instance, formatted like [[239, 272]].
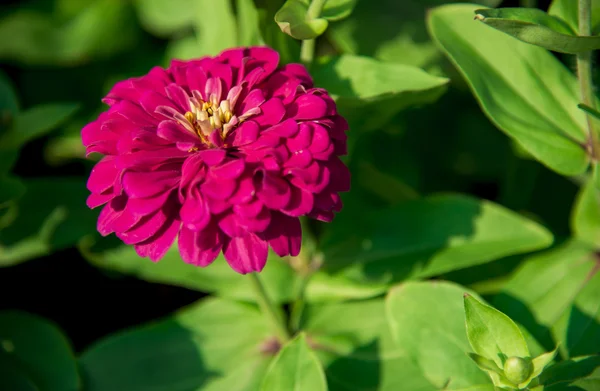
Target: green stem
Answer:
[[299, 304], [269, 309], [584, 73], [307, 49]]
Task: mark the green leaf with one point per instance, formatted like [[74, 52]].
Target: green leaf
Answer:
[[293, 20], [57, 220], [39, 350], [217, 28], [36, 122], [103, 28], [541, 362], [335, 10], [165, 17], [567, 11], [568, 371], [536, 27], [400, 37], [491, 333], [15, 379], [589, 383], [325, 287], [185, 48], [485, 364], [353, 341], [427, 237], [10, 188], [248, 20], [9, 104], [212, 345], [525, 91], [369, 92], [585, 221], [544, 292], [278, 277], [295, 368], [426, 319]]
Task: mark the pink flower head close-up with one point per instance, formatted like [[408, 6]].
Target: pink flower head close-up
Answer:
[[221, 153]]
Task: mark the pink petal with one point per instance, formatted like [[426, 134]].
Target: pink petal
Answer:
[[246, 133], [230, 170], [94, 200], [200, 248], [148, 184], [254, 99], [273, 191], [194, 211], [147, 227], [179, 97], [144, 206], [272, 112], [308, 106], [284, 235], [172, 131], [157, 246], [300, 203], [285, 129], [103, 175], [246, 254]]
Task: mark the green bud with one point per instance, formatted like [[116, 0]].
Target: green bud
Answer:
[[517, 369]]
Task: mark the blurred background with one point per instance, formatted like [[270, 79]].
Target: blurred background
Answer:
[[60, 57]]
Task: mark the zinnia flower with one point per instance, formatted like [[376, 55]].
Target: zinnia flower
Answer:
[[222, 153]]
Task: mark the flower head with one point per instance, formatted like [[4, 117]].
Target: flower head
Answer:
[[223, 153]]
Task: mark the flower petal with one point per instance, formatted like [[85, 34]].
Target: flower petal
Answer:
[[200, 248], [246, 254]]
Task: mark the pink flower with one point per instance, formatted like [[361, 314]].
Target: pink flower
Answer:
[[223, 153]]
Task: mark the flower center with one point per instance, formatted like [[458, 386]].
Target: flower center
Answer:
[[205, 117]]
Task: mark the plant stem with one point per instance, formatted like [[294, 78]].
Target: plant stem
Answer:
[[307, 49], [584, 73], [298, 306], [268, 308]]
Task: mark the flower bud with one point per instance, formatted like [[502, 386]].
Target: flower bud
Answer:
[[517, 369]]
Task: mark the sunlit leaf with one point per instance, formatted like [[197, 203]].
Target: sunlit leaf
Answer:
[[295, 368], [212, 345], [508, 77]]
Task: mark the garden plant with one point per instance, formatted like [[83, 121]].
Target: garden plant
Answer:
[[303, 195]]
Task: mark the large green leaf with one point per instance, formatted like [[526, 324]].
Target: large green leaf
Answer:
[[50, 215], [369, 92], [216, 29], [400, 34], [278, 277], [248, 23], [10, 188], [212, 345], [567, 10], [560, 376], [36, 122], [426, 237], [536, 27], [295, 368], [354, 343], [552, 295], [585, 221], [103, 28], [523, 89], [165, 17], [39, 351], [427, 321]]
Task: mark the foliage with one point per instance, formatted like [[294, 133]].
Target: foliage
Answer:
[[466, 257]]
